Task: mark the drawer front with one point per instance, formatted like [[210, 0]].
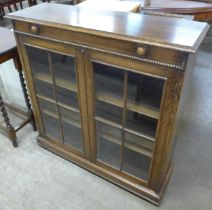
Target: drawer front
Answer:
[[111, 45]]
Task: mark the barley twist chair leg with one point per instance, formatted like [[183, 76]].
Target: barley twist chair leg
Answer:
[[9, 127], [21, 4], [27, 101], [18, 67]]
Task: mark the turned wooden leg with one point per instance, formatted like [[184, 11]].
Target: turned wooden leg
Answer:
[[21, 4], [15, 6], [34, 2], [30, 3], [9, 8], [9, 127], [24, 89], [26, 97], [1, 13]]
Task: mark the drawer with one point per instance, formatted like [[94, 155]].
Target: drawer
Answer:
[[109, 44]]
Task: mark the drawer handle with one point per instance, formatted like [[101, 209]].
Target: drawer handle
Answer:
[[34, 29], [141, 51]]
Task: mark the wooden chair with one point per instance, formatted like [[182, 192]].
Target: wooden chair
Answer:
[[9, 3], [9, 51]]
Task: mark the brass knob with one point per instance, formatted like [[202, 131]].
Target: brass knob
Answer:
[[141, 51], [34, 29]]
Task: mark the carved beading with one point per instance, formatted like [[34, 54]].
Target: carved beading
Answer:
[[4, 113], [82, 46]]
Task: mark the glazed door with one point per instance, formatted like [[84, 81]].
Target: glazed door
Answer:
[[124, 109], [57, 79]]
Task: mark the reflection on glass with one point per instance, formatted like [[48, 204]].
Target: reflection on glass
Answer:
[[138, 144], [71, 128], [144, 90], [140, 123], [50, 119], [38, 60], [44, 89], [64, 71], [39, 64], [108, 144], [108, 111], [49, 69], [108, 82], [51, 126], [127, 146], [67, 97], [136, 164]]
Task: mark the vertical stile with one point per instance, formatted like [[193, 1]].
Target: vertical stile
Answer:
[[124, 116]]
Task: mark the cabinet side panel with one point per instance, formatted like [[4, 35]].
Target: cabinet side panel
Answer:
[[184, 92], [163, 136], [177, 90]]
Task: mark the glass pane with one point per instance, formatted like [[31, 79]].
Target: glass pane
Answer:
[[50, 119], [142, 124], [71, 128], [64, 69], [51, 126], [144, 93], [107, 111], [67, 97], [108, 83], [137, 156], [43, 89], [108, 145], [46, 106], [144, 90], [38, 60]]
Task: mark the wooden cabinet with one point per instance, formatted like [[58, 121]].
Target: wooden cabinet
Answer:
[[105, 88]]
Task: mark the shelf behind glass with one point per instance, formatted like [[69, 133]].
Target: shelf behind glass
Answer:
[[108, 112], [44, 89], [67, 97], [137, 126], [140, 108], [141, 124], [109, 81], [144, 93], [38, 60], [71, 126], [60, 82], [50, 119], [132, 141], [64, 67], [136, 164], [108, 147]]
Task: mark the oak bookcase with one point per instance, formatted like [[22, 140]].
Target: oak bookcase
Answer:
[[106, 86]]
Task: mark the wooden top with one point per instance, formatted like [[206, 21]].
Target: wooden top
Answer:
[[7, 41], [111, 5], [180, 6], [175, 33]]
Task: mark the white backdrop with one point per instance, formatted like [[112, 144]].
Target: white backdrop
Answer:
[[10, 86]]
